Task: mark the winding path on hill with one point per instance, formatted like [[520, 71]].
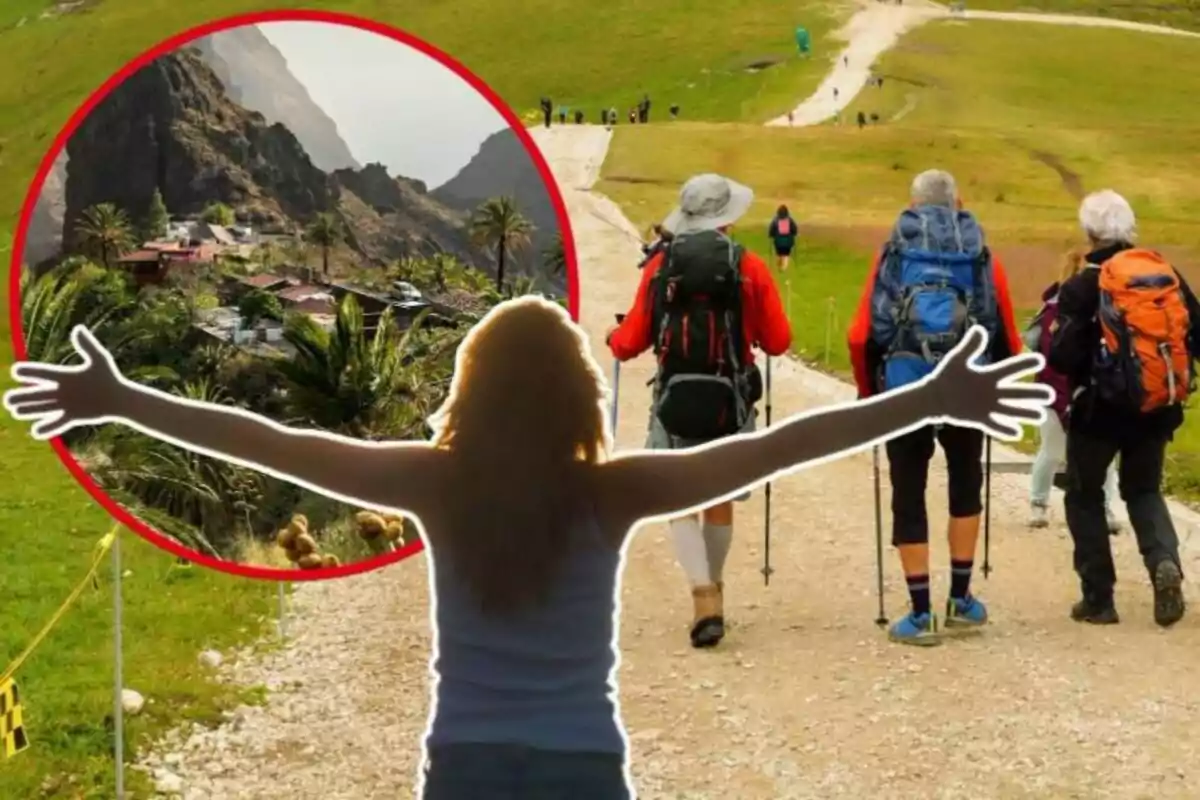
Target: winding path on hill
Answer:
[[876, 28], [805, 699]]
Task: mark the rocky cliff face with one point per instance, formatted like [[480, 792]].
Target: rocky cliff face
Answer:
[[256, 76], [172, 126], [43, 238], [503, 167]]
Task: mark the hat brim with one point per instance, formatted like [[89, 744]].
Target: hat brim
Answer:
[[740, 199]]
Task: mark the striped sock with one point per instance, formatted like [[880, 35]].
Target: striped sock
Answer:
[[918, 590], [960, 578]]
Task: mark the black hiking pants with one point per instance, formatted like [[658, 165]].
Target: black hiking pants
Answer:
[[1140, 480], [908, 468]]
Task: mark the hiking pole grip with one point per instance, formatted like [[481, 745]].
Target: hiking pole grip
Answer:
[[616, 388], [766, 570], [882, 619], [987, 506]]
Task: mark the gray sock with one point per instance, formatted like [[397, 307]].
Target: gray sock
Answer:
[[717, 541]]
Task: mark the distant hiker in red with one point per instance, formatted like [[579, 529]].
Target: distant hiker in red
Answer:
[[934, 278], [1052, 448], [1126, 338], [782, 232], [708, 302]]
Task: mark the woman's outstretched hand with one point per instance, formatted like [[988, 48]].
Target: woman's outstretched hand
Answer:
[[989, 397], [58, 398]]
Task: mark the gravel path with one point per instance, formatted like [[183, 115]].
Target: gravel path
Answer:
[[806, 699]]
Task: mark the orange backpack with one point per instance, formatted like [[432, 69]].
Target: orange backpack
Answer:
[[1144, 360]]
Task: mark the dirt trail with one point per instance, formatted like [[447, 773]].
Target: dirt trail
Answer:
[[876, 28], [806, 699]]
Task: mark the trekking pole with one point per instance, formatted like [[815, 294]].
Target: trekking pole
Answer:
[[882, 619], [766, 570], [616, 388], [987, 506]]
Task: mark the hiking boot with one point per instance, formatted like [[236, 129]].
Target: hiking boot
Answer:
[[920, 630], [1095, 613], [1114, 525], [709, 626], [1168, 593], [1039, 515], [965, 612]]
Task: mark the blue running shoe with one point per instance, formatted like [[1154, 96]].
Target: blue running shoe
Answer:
[[920, 630], [967, 612]]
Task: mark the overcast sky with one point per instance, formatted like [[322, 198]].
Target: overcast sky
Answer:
[[383, 94]]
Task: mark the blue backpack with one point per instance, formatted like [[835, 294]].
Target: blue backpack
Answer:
[[935, 281]]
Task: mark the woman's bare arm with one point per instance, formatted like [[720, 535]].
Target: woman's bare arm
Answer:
[[960, 391], [399, 475], [663, 483]]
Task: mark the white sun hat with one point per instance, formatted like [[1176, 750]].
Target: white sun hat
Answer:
[[708, 202]]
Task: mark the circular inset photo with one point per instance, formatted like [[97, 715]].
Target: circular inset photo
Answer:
[[297, 215]]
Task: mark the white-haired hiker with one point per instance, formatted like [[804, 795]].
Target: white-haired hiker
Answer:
[[1127, 395], [912, 309]]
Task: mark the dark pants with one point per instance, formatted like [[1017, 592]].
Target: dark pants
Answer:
[[546, 114], [512, 772], [1140, 475], [908, 467]]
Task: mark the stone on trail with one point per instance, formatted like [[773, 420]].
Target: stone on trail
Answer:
[[132, 702], [211, 659]]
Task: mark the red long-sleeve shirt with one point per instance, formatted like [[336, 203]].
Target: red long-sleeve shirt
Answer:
[[764, 323], [859, 334]]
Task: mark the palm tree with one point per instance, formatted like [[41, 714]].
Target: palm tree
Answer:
[[104, 230], [325, 232], [498, 225], [206, 494], [348, 380], [554, 256]]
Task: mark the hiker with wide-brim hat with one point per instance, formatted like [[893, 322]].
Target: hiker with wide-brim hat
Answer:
[[695, 266]]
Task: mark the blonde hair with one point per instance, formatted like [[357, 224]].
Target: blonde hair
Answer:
[[1073, 261]]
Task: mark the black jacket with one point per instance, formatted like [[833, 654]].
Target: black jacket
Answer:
[[1074, 348]]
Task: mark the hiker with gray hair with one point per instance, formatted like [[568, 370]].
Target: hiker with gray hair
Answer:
[[1125, 339], [703, 304], [933, 279]]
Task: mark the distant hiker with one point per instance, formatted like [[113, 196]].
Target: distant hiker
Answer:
[[613, 118], [604, 116], [791, 118], [1052, 449], [562, 115], [934, 276], [713, 329], [644, 109], [547, 109], [862, 120], [879, 82], [674, 109], [782, 233], [659, 240], [578, 117], [1127, 398], [835, 94], [633, 116], [845, 61], [874, 117]]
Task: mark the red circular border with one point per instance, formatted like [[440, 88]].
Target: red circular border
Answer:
[[174, 43]]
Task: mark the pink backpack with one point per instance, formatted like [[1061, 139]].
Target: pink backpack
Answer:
[[784, 226]]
